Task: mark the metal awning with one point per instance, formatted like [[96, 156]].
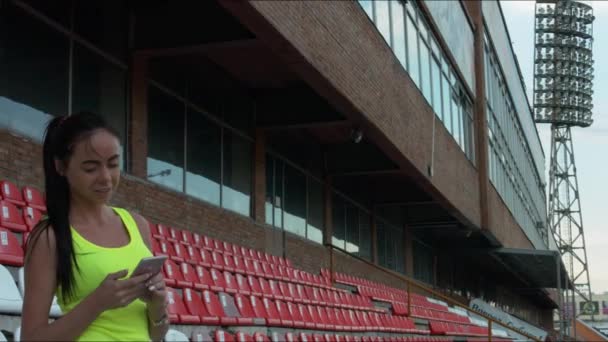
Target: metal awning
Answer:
[[539, 268]]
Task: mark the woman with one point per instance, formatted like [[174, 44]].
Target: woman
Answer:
[[85, 251]]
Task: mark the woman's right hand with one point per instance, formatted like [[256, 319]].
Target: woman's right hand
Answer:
[[114, 292]]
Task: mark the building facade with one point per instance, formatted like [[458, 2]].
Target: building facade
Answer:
[[397, 131]]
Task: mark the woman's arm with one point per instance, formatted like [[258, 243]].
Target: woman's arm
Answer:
[[40, 286], [156, 309]]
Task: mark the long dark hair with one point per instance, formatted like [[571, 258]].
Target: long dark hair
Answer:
[[62, 134]]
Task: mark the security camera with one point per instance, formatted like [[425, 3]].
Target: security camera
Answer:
[[356, 135]]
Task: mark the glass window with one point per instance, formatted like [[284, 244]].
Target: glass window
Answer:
[[423, 263], [367, 7], [295, 201], [169, 73], [338, 222], [365, 235], [455, 109], [236, 188], [315, 211], [32, 89], [279, 168], [412, 52], [269, 207], [425, 72], [57, 10], [352, 229], [100, 87], [383, 19], [381, 241], [411, 9], [436, 78], [237, 112], [398, 25], [165, 139], [457, 117], [446, 95], [204, 158], [103, 23]]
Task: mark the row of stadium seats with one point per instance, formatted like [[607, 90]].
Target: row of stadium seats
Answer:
[[203, 278], [211, 308]]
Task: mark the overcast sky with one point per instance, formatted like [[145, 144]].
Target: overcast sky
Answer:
[[590, 144]]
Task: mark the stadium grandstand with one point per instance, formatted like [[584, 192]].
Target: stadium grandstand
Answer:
[[315, 170]]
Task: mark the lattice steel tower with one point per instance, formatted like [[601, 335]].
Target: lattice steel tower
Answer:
[[563, 89]]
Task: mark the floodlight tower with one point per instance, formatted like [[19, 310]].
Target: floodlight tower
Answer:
[[563, 89]]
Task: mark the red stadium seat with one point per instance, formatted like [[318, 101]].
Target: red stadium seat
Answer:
[[275, 291], [180, 252], [226, 247], [174, 234], [193, 255], [205, 280], [243, 305], [31, 217], [223, 336], [218, 260], [218, 280], [273, 316], [242, 337], [294, 313], [242, 284], [212, 303], [177, 310], [208, 243], [260, 337], [231, 285], [185, 237], [306, 317], [166, 248], [258, 308], [304, 337], [11, 218], [33, 198], [10, 193], [239, 264], [229, 263], [11, 252], [174, 276], [195, 307], [205, 258], [190, 276], [159, 231], [254, 285]]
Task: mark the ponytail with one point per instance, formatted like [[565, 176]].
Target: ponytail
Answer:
[[61, 135]]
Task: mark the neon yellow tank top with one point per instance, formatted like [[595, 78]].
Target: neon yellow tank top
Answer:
[[95, 263]]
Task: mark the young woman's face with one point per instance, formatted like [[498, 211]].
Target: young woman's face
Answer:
[[93, 169]]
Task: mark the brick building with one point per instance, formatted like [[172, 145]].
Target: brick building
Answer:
[[398, 132]]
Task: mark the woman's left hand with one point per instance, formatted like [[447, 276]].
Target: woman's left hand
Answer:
[[156, 292]]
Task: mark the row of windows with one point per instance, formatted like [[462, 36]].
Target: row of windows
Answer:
[[193, 143], [351, 228], [295, 203], [511, 168], [407, 33], [190, 153], [34, 89], [294, 200]]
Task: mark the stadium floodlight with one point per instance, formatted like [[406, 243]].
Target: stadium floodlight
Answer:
[[563, 91]]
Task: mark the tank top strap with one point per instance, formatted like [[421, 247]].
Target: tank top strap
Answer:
[[130, 223]]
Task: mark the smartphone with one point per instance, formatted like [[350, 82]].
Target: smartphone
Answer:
[[150, 265]]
